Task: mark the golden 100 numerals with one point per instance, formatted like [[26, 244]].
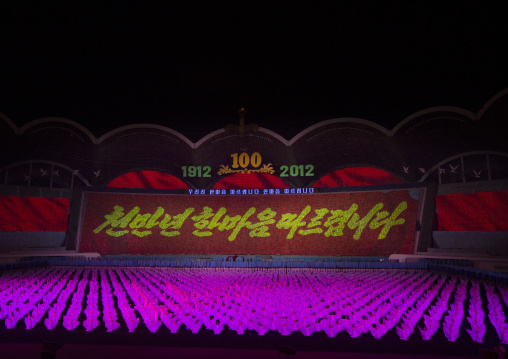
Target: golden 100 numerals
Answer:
[[243, 163]]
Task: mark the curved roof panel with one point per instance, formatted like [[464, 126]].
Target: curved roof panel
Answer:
[[419, 141]]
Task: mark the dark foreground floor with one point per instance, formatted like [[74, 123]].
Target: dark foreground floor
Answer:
[[21, 343], [80, 351]]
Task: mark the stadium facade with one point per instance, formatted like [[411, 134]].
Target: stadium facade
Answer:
[[459, 155]]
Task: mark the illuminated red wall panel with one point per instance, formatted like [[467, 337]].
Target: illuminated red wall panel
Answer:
[[250, 180], [357, 176], [148, 179], [33, 214], [486, 211], [348, 223]]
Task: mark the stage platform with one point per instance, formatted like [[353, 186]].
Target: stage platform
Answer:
[[15, 256], [480, 261]]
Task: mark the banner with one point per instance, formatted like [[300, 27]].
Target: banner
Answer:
[[33, 214], [481, 211], [372, 223]]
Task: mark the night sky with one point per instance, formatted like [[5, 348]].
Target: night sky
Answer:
[[190, 65]]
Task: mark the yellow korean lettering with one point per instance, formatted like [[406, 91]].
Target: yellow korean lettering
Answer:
[[291, 221], [229, 223], [337, 221], [140, 222], [390, 221], [202, 221], [355, 221], [152, 222], [117, 219], [261, 229], [242, 223], [214, 223], [145, 221], [314, 222], [174, 223]]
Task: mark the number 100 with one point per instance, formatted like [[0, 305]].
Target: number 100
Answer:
[[244, 160]]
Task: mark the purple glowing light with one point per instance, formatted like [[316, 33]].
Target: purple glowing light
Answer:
[[261, 300]]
